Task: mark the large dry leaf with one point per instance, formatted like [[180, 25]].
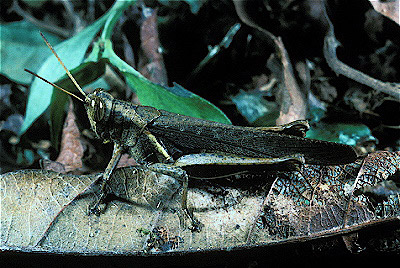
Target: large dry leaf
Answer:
[[45, 211], [30, 202], [325, 202]]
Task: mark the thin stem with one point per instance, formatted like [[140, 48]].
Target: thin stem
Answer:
[[113, 18], [48, 27]]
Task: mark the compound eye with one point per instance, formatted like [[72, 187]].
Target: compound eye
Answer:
[[99, 108]]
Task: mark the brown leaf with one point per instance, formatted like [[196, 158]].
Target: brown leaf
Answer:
[[31, 200], [50, 165], [321, 199], [317, 202], [388, 8], [151, 62], [293, 100], [71, 151], [126, 161], [37, 213]]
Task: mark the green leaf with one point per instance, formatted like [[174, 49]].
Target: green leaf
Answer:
[[257, 110], [72, 52], [22, 47], [174, 99], [349, 134]]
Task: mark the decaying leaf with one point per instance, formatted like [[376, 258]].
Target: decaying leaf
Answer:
[[321, 200], [390, 9], [46, 211], [32, 200], [292, 98], [71, 151], [151, 62]]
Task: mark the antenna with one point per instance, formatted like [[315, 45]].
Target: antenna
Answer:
[[65, 68], [54, 85]]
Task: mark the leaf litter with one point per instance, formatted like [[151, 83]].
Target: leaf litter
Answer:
[[318, 202]]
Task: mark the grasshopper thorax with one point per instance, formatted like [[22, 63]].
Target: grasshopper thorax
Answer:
[[98, 107]]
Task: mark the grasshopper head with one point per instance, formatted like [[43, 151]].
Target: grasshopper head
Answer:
[[98, 106]]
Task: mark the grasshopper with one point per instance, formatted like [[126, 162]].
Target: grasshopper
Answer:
[[183, 146]]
